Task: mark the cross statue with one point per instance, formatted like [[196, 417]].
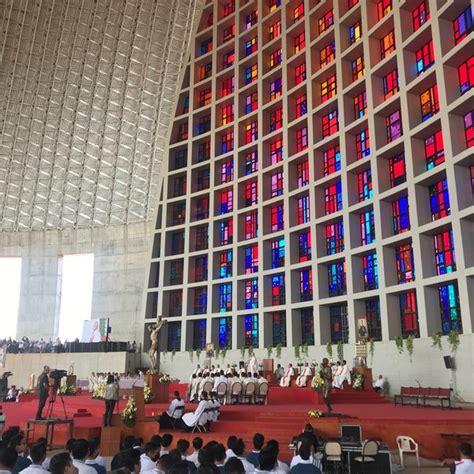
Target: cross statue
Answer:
[[153, 352]]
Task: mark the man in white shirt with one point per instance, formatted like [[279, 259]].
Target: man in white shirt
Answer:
[[302, 379], [37, 456], [286, 379], [175, 412], [147, 459], [465, 465], [197, 445], [79, 452], [231, 440], [378, 384], [239, 448]]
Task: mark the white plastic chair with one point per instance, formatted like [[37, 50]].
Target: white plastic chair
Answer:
[[407, 445]]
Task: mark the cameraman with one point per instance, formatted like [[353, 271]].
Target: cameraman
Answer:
[[42, 388]]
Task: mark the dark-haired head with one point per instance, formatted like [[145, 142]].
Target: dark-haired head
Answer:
[[8, 457], [110, 379], [182, 445], [219, 453], [206, 456], [258, 440], [166, 440], [267, 459], [207, 468], [234, 466], [466, 450], [59, 463], [239, 447], [197, 443], [80, 449], [38, 453]]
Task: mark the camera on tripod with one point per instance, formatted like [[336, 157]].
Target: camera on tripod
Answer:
[[57, 375]]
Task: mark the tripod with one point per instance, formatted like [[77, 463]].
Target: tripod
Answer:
[[52, 401]]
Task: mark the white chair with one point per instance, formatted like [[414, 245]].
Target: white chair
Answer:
[[332, 453], [207, 387], [236, 391], [262, 396], [370, 451], [221, 391], [249, 393], [407, 445]]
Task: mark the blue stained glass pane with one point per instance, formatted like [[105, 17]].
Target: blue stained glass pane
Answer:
[[225, 332]]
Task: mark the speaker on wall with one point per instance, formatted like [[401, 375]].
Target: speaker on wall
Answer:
[[448, 362]]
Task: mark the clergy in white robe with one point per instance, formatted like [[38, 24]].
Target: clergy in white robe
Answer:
[[252, 366], [344, 375], [221, 378], [195, 386], [302, 379], [197, 416], [286, 379]]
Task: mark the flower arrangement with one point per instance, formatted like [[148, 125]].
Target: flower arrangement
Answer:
[[317, 383], [151, 371], [148, 395], [164, 378], [314, 414], [99, 392], [358, 381], [129, 412], [65, 389]]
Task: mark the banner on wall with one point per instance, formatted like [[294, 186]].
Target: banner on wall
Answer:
[[3, 355], [95, 330]]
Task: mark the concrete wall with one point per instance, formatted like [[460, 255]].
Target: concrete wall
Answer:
[[121, 255], [24, 365], [427, 365]]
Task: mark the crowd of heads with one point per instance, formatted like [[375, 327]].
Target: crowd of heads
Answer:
[[27, 345]]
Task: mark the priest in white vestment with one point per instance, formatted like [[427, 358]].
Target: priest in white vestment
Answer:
[[344, 374], [252, 366], [286, 379], [192, 418], [302, 379]]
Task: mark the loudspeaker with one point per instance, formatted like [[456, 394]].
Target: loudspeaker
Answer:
[[448, 362]]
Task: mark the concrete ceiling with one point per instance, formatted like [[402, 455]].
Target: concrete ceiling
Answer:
[[87, 91]]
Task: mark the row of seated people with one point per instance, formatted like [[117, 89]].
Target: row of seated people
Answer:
[[285, 377], [206, 412], [229, 387], [157, 457]]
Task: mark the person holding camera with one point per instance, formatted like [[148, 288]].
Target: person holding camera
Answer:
[[111, 397], [42, 388]]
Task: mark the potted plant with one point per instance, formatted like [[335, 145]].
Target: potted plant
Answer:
[[129, 413]]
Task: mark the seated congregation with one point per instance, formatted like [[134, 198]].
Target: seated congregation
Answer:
[[302, 377], [229, 386]]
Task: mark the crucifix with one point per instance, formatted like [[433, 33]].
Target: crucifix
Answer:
[[153, 352]]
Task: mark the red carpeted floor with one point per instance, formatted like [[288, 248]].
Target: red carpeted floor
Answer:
[[283, 418]]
